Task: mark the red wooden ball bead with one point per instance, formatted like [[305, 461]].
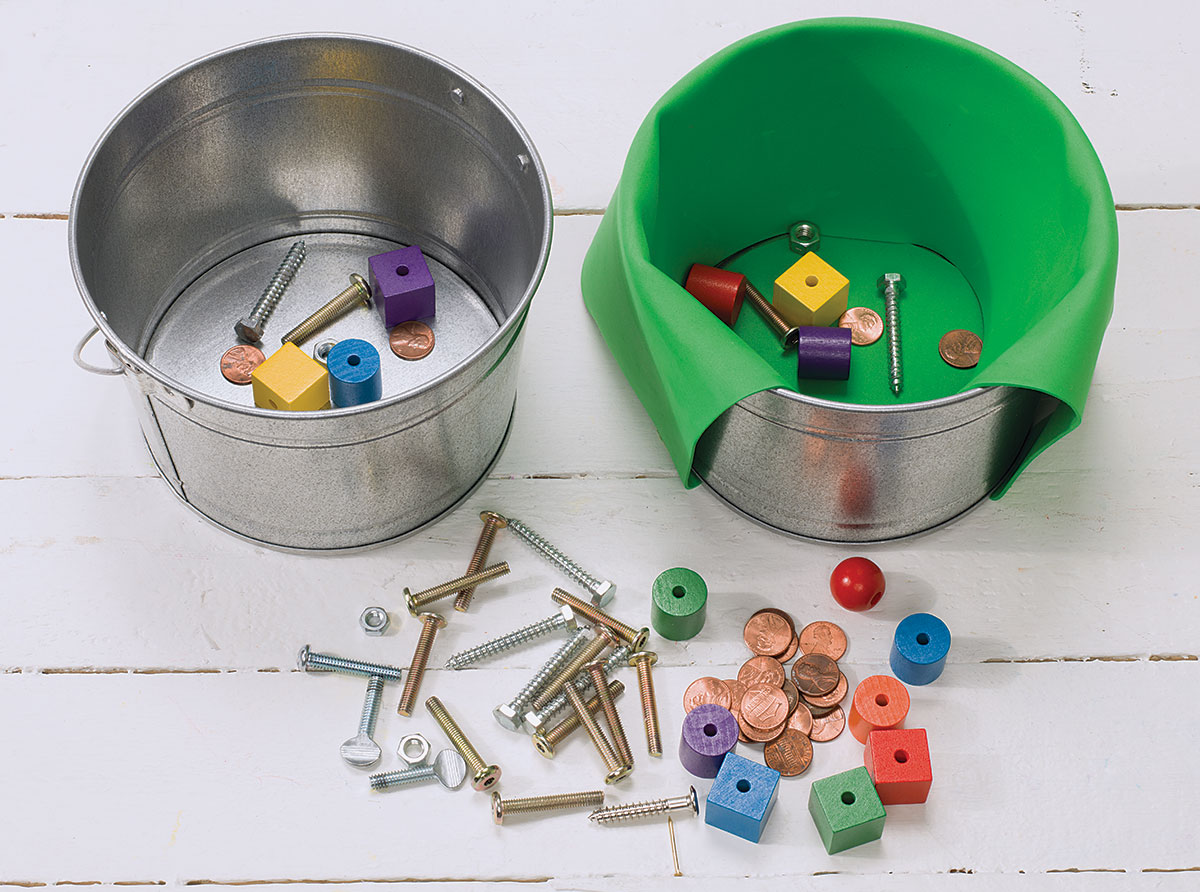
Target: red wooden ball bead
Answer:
[[857, 583]]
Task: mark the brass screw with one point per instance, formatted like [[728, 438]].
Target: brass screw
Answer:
[[483, 775], [642, 661], [787, 334], [635, 637], [359, 292], [446, 589], [546, 740], [616, 771], [604, 638], [620, 741], [503, 808], [431, 622], [492, 524]]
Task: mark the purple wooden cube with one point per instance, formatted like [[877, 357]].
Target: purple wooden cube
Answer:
[[402, 286]]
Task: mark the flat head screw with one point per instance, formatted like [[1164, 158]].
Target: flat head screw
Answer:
[[358, 294], [546, 740], [362, 751], [616, 770], [603, 638], [447, 768], [635, 637], [492, 524], [642, 661], [611, 716], [430, 623], [420, 600], [503, 808], [483, 776], [788, 334], [892, 285], [611, 814]]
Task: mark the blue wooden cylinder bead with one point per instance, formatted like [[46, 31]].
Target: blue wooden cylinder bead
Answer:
[[919, 648], [354, 375]]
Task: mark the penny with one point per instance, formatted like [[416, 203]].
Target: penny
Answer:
[[864, 323], [790, 753], [801, 720], [764, 707], [833, 698], [827, 727], [239, 362], [411, 340], [758, 670], [815, 674], [961, 348], [706, 690], [818, 712], [767, 633], [792, 693], [823, 638], [790, 652], [737, 691], [754, 735]]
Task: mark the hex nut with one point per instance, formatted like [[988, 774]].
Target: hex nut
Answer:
[[413, 749], [321, 349], [803, 237], [374, 621]]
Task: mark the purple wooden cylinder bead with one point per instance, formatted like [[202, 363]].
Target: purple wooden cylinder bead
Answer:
[[823, 352], [402, 286], [710, 732]]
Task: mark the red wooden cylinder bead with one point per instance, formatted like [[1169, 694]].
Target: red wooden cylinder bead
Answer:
[[718, 289], [880, 702]]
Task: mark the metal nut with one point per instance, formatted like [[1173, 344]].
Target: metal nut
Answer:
[[803, 237], [321, 349], [374, 620], [413, 749]]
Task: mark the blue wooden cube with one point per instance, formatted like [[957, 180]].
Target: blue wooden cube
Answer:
[[402, 286], [742, 797]]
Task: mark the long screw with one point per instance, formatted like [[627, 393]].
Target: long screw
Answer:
[[642, 661], [603, 639], [613, 813], [788, 334], [361, 750], [503, 808], [422, 599], [448, 768], [892, 286], [537, 719], [359, 292], [492, 524], [564, 619], [635, 637], [545, 741], [615, 728], [601, 590], [510, 714], [310, 661], [250, 327], [616, 770], [483, 775], [430, 623]]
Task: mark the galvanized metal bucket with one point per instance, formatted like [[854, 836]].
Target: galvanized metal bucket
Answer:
[[190, 199]]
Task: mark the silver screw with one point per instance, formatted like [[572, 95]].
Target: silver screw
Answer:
[[613, 813], [601, 590], [892, 286], [310, 661], [509, 714], [535, 720], [448, 768], [603, 640], [361, 751], [250, 328], [564, 619]]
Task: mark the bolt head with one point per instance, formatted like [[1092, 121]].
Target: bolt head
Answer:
[[618, 774], [507, 717], [499, 519], [693, 801], [803, 237], [497, 808], [374, 621], [639, 642], [534, 721], [361, 751], [542, 745], [438, 621], [246, 329], [894, 279], [450, 769], [408, 602], [648, 657], [486, 778], [302, 658], [363, 288], [603, 593], [569, 615]]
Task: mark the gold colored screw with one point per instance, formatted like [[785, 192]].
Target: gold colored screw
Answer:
[[431, 622], [616, 771], [642, 661], [503, 808], [446, 589], [604, 638], [635, 637], [492, 524], [546, 740], [620, 741], [359, 292], [787, 334], [483, 775]]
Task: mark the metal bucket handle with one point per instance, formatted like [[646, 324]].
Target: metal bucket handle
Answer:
[[87, 366]]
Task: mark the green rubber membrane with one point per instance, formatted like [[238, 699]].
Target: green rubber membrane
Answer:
[[680, 599]]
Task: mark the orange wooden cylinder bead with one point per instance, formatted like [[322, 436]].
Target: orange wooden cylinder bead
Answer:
[[718, 289], [880, 702]]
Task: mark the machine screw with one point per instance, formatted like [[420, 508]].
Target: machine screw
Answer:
[[803, 237], [535, 720], [615, 727], [310, 661], [892, 286], [492, 524], [374, 621], [788, 334], [601, 590], [564, 619], [359, 292], [430, 623], [250, 327], [546, 741], [509, 714], [483, 775], [635, 637], [616, 769], [448, 768], [603, 638], [503, 808], [361, 751], [642, 661], [614, 813], [446, 589]]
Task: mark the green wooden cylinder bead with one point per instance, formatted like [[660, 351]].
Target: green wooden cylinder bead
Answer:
[[679, 601]]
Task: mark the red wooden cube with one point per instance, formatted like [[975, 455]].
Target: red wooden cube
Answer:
[[898, 761]]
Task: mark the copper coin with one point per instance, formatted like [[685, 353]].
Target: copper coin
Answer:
[[833, 698], [815, 674], [864, 323], [827, 727], [754, 735], [792, 693], [823, 638], [239, 362], [764, 707], [790, 753], [706, 690], [737, 691], [961, 348], [801, 720], [791, 651], [758, 670], [411, 340], [767, 633], [818, 712]]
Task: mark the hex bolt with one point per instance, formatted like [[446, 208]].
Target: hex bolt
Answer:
[[483, 775], [361, 751], [616, 769], [310, 661], [510, 714], [892, 286], [430, 623], [536, 720], [601, 590], [448, 768], [803, 237], [642, 661], [250, 327], [635, 637], [603, 638], [358, 293], [615, 728], [492, 524], [614, 813], [564, 619], [374, 621], [788, 334], [446, 589], [546, 741], [505, 808]]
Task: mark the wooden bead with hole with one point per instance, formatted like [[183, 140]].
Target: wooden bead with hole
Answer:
[[880, 702]]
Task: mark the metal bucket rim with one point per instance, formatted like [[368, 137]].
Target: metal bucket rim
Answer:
[[132, 361], [862, 409]]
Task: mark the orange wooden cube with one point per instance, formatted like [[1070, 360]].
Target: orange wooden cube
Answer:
[[898, 762]]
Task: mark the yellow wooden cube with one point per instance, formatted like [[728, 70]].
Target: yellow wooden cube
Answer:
[[291, 380], [811, 292]]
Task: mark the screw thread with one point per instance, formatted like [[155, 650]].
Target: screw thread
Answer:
[[590, 651], [370, 711], [358, 293], [513, 639], [596, 615], [311, 661], [763, 307], [603, 747], [549, 669], [492, 524], [390, 779], [421, 599], [546, 741], [551, 802], [555, 555], [615, 727], [581, 684], [649, 708], [416, 670], [279, 283], [892, 312], [457, 738], [613, 813]]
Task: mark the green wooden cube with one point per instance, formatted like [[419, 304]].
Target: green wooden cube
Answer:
[[846, 810]]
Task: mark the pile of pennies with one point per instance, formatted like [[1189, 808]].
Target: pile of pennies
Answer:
[[785, 714]]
